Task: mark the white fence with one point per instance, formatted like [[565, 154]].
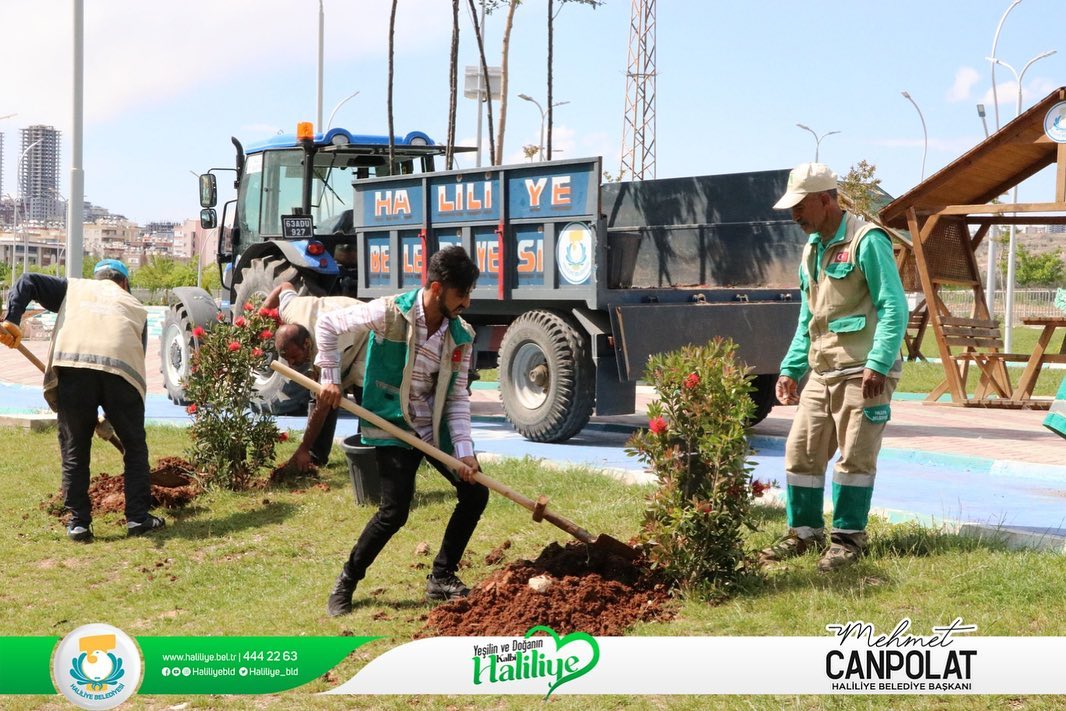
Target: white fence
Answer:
[[1028, 303]]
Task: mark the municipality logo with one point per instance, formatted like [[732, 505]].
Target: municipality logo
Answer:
[[555, 659], [97, 666]]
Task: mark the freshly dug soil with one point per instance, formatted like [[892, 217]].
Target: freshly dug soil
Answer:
[[588, 591], [171, 485]]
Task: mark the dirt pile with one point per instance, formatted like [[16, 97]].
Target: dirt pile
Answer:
[[172, 487], [575, 588]]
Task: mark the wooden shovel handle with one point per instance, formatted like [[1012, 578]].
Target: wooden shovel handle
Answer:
[[367, 416], [31, 357]]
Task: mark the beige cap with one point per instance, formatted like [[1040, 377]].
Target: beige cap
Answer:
[[806, 178]]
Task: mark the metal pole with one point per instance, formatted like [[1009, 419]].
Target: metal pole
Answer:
[[1011, 253], [995, 41], [333, 113], [76, 203], [527, 97], [321, 42], [482, 82], [925, 134], [817, 139], [25, 255], [990, 267]]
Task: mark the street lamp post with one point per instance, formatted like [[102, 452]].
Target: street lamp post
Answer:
[[925, 134], [18, 175], [333, 113], [1012, 244], [981, 114], [536, 103], [817, 139], [995, 41], [321, 42]]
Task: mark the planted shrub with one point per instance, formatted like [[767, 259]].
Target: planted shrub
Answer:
[[231, 444], [695, 443]]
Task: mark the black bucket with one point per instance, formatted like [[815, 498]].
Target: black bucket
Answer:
[[363, 470]]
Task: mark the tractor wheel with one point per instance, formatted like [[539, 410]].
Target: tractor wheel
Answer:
[[175, 352], [546, 377]]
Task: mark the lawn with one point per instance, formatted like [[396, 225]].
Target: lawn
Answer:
[[263, 562]]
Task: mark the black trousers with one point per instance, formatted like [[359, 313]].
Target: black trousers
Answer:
[[397, 467], [80, 392], [323, 444]]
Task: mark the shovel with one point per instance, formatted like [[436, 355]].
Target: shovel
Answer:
[[104, 430], [602, 542]]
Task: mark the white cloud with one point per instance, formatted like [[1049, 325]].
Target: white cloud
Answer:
[[1007, 92], [965, 78]]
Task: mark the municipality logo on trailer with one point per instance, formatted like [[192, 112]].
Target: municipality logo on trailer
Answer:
[[97, 666], [574, 253], [1055, 122]]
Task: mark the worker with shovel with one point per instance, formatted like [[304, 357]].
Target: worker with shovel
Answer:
[[294, 342], [417, 366], [96, 360]]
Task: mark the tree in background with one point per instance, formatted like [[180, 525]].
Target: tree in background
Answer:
[[505, 52], [453, 83], [1044, 269], [480, 37], [392, 43], [163, 272], [859, 188]]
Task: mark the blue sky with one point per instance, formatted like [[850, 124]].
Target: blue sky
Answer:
[[167, 84]]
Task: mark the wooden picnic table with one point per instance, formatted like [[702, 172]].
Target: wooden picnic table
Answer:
[[1024, 391]]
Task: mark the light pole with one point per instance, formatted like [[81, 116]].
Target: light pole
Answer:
[[995, 41], [18, 175], [321, 43], [1012, 244], [817, 139], [925, 134], [333, 113], [536, 103], [981, 114], [7, 116]]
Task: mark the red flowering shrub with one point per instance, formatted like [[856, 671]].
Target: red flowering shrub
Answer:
[[696, 444], [231, 444]]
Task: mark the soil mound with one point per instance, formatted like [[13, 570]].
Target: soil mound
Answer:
[[578, 589], [172, 487]]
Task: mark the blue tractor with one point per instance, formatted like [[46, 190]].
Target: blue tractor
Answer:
[[291, 221]]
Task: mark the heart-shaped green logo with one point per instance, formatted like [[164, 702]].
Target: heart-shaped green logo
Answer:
[[559, 644]]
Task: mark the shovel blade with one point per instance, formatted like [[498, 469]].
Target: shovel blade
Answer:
[[613, 546]]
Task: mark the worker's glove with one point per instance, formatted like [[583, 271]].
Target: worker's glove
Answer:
[[10, 334]]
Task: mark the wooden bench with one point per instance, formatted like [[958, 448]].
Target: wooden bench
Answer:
[[982, 344], [915, 331]]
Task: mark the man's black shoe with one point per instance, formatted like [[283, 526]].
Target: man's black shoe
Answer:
[[445, 587], [152, 523], [80, 532], [340, 599]]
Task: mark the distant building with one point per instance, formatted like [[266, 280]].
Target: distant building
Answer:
[[111, 238], [1, 166], [39, 176]]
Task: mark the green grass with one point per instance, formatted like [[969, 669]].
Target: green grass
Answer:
[[924, 377], [263, 562]]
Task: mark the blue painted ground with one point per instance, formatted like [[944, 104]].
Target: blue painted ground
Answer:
[[910, 483]]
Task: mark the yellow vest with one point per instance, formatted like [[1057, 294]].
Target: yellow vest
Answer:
[[304, 310], [843, 317], [100, 326]]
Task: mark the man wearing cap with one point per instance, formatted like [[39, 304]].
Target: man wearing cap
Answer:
[[96, 360], [853, 315]]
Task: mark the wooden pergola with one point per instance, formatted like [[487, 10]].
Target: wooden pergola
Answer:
[[948, 215]]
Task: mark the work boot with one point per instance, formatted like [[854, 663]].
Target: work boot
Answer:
[[151, 523], [791, 546], [445, 587], [844, 550], [340, 598], [80, 532]]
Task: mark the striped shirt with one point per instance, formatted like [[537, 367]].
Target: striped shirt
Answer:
[[371, 317]]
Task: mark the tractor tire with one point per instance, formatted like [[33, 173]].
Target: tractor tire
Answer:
[[546, 377], [175, 352], [764, 396], [274, 393]]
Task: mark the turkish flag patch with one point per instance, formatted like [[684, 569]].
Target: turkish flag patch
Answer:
[[457, 355], [841, 256]]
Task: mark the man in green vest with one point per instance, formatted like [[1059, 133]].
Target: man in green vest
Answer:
[[853, 315], [417, 365], [96, 361]]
